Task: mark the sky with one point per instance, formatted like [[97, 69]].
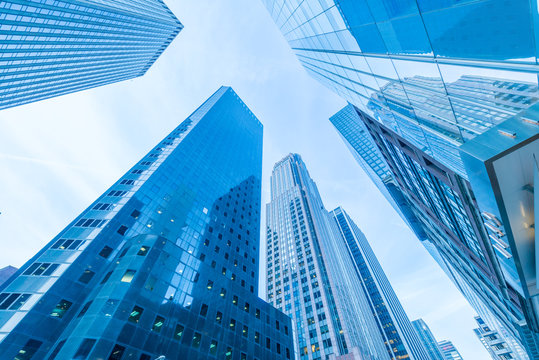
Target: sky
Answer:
[[57, 156]]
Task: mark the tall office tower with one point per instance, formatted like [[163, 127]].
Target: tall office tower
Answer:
[[309, 273], [428, 339], [449, 351], [51, 48], [399, 336], [494, 343], [164, 263], [448, 93]]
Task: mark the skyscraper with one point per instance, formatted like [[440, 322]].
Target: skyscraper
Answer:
[[495, 344], [313, 276], [447, 92], [399, 336], [51, 48], [428, 339], [449, 351], [165, 262]]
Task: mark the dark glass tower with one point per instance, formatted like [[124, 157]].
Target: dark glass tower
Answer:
[[447, 93], [51, 48], [395, 328], [165, 262]]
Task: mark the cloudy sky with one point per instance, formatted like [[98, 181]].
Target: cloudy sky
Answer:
[[58, 155]]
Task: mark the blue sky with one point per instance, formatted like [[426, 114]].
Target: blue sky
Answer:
[[58, 155]]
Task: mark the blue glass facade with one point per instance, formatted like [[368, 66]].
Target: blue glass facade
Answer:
[[308, 272], [449, 351], [494, 343], [448, 91], [428, 339], [50, 48], [164, 263], [394, 326]]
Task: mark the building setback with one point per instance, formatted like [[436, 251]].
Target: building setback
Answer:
[[309, 275], [428, 339], [164, 263], [445, 93], [52, 48]]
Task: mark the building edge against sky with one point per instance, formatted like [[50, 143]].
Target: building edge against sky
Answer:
[[448, 94], [60, 47], [309, 256], [427, 338], [165, 262], [400, 337]]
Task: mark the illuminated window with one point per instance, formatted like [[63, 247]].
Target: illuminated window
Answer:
[[134, 317], [128, 276], [61, 308]]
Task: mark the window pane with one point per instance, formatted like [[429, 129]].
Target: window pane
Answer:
[[178, 332], [117, 352], [28, 350], [213, 347], [86, 276], [143, 250], [61, 308], [134, 317], [158, 324], [128, 276], [196, 340]]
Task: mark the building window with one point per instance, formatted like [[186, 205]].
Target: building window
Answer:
[[257, 337], [143, 250], [223, 292], [13, 301], [105, 252], [28, 350], [232, 324], [178, 332], [228, 353], [235, 300], [135, 214], [245, 331], [61, 308], [117, 352], [85, 348], [218, 317], [204, 310], [122, 230], [135, 314], [213, 347], [210, 285], [158, 324], [197, 337], [128, 276], [86, 276]]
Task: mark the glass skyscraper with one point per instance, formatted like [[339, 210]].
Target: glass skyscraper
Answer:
[[449, 351], [399, 336], [445, 93], [315, 262], [495, 344], [163, 264], [50, 48], [428, 339]]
